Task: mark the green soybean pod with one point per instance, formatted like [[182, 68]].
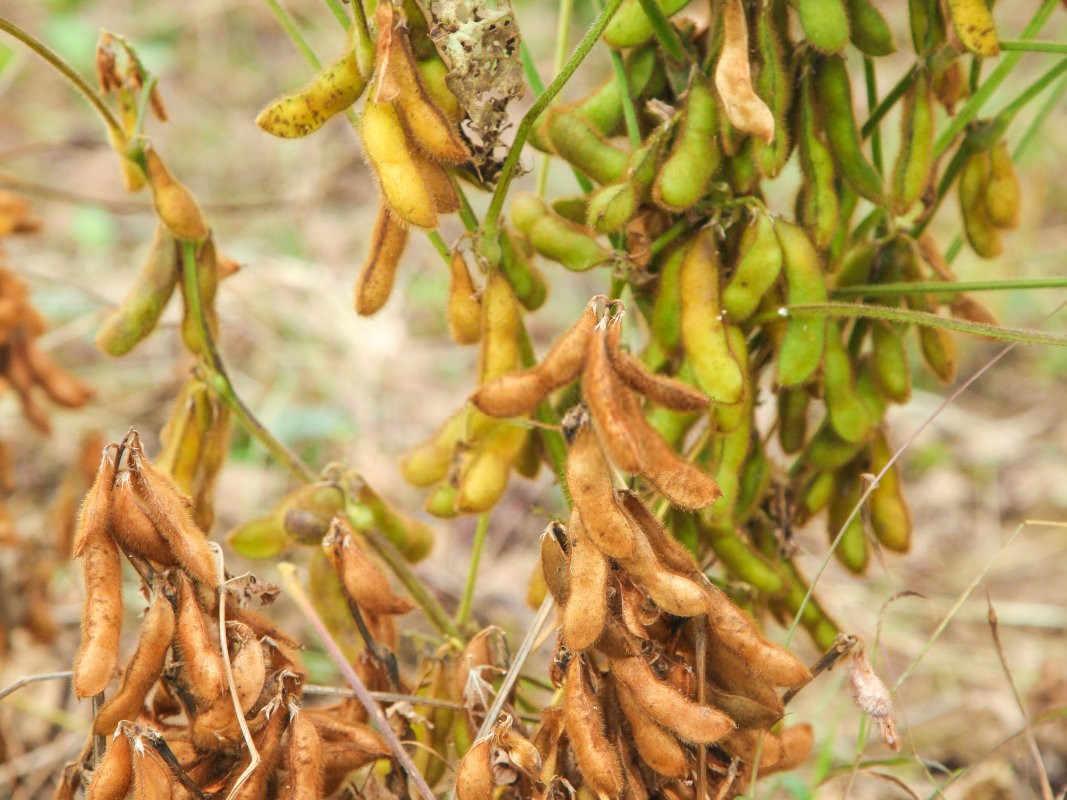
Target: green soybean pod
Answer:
[[833, 95], [138, 314], [818, 205], [774, 85], [703, 333], [686, 173], [755, 478], [847, 412], [612, 206], [525, 210], [890, 517], [852, 550], [802, 343], [926, 25], [525, 279], [729, 452], [867, 388], [665, 321], [631, 27], [889, 360], [827, 450], [742, 561], [759, 262], [841, 238], [824, 22], [913, 168], [578, 142], [815, 494], [869, 30], [573, 207], [858, 264], [792, 418], [566, 243]]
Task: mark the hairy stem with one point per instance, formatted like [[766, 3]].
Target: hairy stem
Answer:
[[938, 287], [480, 535]]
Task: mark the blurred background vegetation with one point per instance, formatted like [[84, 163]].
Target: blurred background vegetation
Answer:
[[297, 216]]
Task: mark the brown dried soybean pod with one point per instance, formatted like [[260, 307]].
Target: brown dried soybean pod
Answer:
[[474, 775], [693, 722], [112, 776], [304, 757], [733, 77], [202, 667], [93, 514], [607, 399], [378, 273], [152, 778], [587, 600], [661, 389], [175, 204], [589, 482], [132, 529], [583, 716], [98, 652], [144, 669], [657, 748]]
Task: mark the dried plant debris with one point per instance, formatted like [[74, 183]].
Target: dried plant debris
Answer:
[[479, 42]]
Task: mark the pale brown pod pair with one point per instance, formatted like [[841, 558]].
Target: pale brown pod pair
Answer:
[[583, 716], [202, 668], [588, 570], [518, 393], [658, 748]]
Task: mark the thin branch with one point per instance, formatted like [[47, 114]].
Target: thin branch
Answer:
[[664, 32], [219, 380], [292, 30], [1031, 742], [948, 287], [56, 60], [1031, 46], [374, 711], [477, 546], [924, 318], [44, 676]]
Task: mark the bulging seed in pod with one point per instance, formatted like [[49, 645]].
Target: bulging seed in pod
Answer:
[[303, 757], [583, 717], [587, 581], [609, 403], [657, 748], [589, 482], [113, 775], [693, 722], [733, 629], [175, 204], [474, 775], [661, 389], [464, 307], [203, 670]]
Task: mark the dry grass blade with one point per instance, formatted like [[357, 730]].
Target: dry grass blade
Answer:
[[253, 760], [1031, 742], [44, 676]]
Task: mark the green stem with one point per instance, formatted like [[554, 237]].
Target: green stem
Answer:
[[629, 113], [948, 178], [1052, 102], [529, 69], [56, 60], [511, 163], [288, 24], [1031, 46], [338, 10], [950, 287], [1007, 114], [1003, 68], [871, 81], [664, 31], [439, 245], [924, 318], [219, 380], [887, 102], [477, 546], [663, 241]]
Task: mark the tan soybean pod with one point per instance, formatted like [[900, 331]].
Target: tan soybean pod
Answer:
[[464, 309], [390, 154], [733, 77], [587, 599], [676, 594], [131, 528], [744, 744], [101, 624], [152, 778], [170, 511], [501, 329], [112, 776], [703, 332], [690, 721], [364, 581], [669, 551], [93, 514], [795, 744], [203, 670], [657, 748], [583, 716], [389, 237], [304, 759], [144, 669], [661, 389], [249, 665], [519, 393], [589, 482], [431, 131], [609, 402], [430, 461], [729, 626], [175, 204], [474, 775], [554, 560]]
